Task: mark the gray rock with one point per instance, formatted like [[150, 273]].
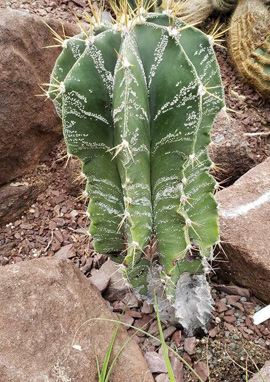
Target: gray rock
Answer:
[[66, 252], [162, 378], [155, 362], [100, 280], [202, 370], [190, 345], [118, 286]]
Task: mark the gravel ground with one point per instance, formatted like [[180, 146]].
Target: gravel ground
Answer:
[[56, 225], [68, 10]]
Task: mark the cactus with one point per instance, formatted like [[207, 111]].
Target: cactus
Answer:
[[138, 99], [224, 5], [249, 42], [196, 11]]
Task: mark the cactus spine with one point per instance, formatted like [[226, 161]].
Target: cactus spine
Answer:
[[137, 107], [249, 42]]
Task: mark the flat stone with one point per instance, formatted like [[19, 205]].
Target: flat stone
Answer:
[[155, 362], [51, 308], [162, 378], [168, 332], [147, 308], [202, 370], [65, 252], [190, 345], [118, 287], [100, 280], [221, 307], [229, 319], [176, 337], [178, 369], [244, 210], [127, 320], [232, 299]]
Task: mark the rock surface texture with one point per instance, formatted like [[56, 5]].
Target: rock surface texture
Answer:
[[29, 126], [263, 375], [245, 230], [230, 149], [46, 332]]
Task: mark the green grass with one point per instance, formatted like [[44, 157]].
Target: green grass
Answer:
[[105, 371], [109, 363], [164, 346]]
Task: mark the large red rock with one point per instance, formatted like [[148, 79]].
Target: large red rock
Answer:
[[230, 149], [245, 230], [48, 330], [29, 127]]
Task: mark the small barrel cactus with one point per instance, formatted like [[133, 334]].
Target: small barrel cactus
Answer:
[[196, 11], [224, 5], [138, 98], [249, 42]]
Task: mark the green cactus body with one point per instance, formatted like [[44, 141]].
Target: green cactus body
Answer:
[[88, 131], [181, 184], [132, 138], [139, 120], [73, 48]]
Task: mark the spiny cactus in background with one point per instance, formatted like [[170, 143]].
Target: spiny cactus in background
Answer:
[[249, 42], [138, 98], [151, 5], [196, 11], [224, 5]]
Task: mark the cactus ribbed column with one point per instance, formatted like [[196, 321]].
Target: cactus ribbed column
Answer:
[[138, 99]]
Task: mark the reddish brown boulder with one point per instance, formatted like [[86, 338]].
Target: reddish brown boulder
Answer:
[[245, 230], [231, 149], [48, 331], [29, 126]]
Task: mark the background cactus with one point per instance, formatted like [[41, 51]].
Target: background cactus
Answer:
[[249, 42], [224, 5], [196, 11], [138, 100]]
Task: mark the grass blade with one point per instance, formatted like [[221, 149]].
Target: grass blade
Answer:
[[164, 346], [103, 374]]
